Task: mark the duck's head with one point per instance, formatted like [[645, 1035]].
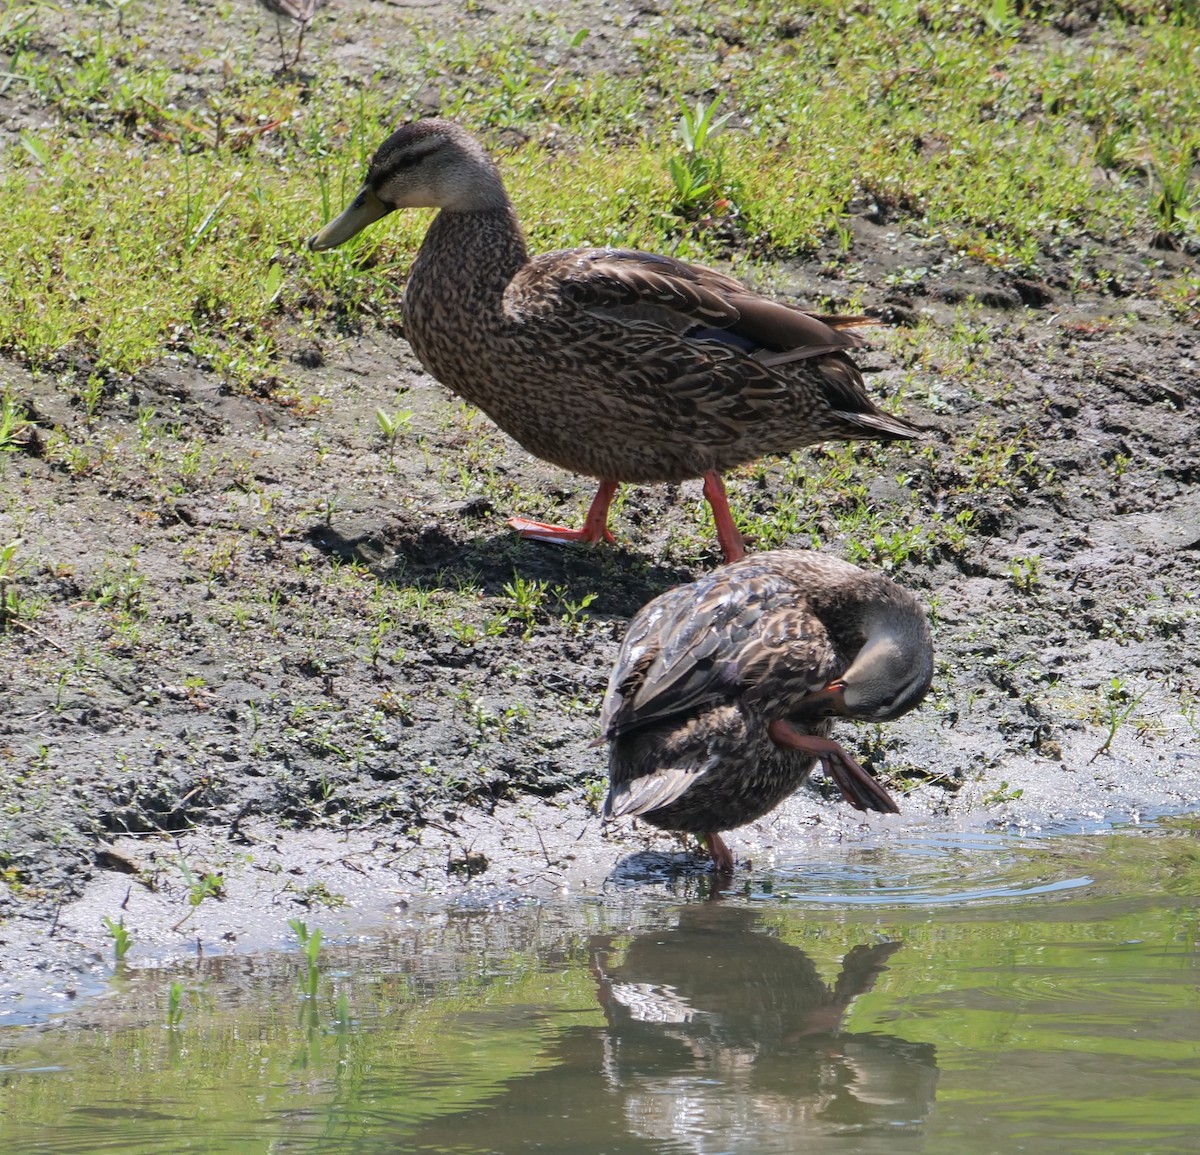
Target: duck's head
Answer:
[[889, 675], [426, 164]]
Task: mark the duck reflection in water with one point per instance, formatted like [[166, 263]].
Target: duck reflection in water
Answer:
[[717, 1037], [719, 1029]]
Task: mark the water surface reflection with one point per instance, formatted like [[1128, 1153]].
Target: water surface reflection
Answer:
[[718, 1037], [1047, 990], [721, 1035]]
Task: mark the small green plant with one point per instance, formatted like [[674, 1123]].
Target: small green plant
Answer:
[[698, 172], [465, 633], [14, 425], [175, 1005], [1182, 294], [12, 606], [1175, 205], [91, 394], [119, 589], [1117, 706], [528, 596], [574, 611], [893, 550], [593, 794], [342, 1017], [273, 285], [315, 894], [1001, 16], [310, 948], [390, 425], [906, 278], [121, 938], [200, 887], [1024, 572], [1112, 140], [1001, 795]]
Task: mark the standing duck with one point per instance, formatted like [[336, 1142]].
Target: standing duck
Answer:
[[621, 365], [719, 704]]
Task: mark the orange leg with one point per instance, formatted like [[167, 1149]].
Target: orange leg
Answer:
[[595, 525], [732, 545], [857, 786], [721, 855]]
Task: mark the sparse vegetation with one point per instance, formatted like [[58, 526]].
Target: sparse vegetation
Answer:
[[390, 425], [1117, 704], [1002, 794], [175, 994], [310, 950]]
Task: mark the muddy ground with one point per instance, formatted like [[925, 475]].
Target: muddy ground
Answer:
[[199, 695]]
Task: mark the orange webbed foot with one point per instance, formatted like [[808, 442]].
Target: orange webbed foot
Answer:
[[595, 525], [559, 534]]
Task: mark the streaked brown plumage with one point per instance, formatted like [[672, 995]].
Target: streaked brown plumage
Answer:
[[299, 12], [621, 365], [719, 704]]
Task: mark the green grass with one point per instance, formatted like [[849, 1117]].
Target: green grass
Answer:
[[164, 215]]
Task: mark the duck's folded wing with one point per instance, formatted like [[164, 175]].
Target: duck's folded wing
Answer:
[[684, 649], [698, 341], [624, 283], [689, 299]]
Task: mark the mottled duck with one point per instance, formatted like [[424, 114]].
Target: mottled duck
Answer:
[[720, 702], [620, 365]]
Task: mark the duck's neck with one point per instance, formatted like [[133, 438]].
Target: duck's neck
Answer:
[[454, 295], [841, 609], [475, 253]]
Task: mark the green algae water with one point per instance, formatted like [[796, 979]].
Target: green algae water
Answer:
[[967, 994]]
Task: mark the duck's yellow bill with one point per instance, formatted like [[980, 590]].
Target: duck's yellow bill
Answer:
[[365, 209]]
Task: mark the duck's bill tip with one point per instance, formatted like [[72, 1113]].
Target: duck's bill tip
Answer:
[[365, 209]]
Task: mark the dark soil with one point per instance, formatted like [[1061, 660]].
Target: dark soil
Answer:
[[269, 746]]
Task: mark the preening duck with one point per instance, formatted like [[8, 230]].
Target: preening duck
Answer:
[[720, 701]]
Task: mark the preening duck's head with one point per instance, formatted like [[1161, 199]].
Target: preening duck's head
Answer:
[[892, 670], [426, 164]]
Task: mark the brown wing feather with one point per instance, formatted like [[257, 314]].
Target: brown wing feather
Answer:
[[673, 315], [744, 630], [611, 278], [640, 793], [788, 656], [650, 285]]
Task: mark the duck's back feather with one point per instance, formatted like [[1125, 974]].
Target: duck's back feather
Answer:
[[746, 631]]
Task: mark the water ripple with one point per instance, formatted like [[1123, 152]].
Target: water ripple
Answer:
[[930, 872]]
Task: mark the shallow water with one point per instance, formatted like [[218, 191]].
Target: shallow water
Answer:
[[975, 994]]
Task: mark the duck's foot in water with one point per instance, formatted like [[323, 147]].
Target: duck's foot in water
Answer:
[[721, 855]]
